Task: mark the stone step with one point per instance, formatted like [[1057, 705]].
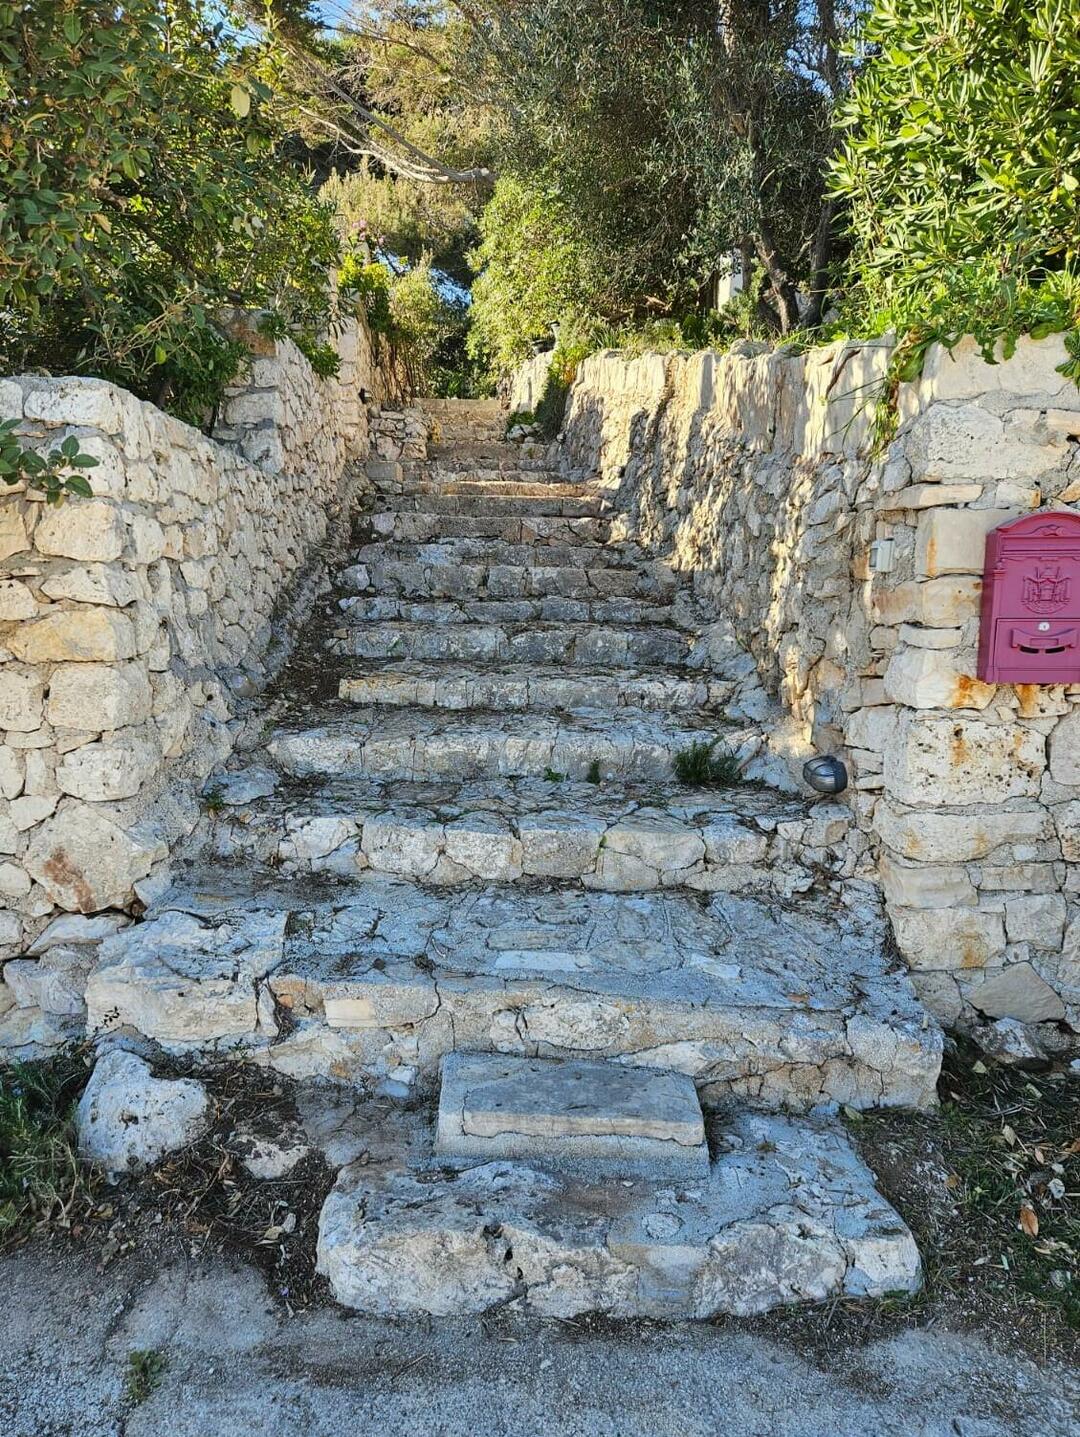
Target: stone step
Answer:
[[608, 836], [510, 614], [595, 645], [792, 1005], [509, 528], [573, 1111], [494, 552], [495, 503], [450, 686], [423, 743], [496, 485], [489, 455], [506, 581], [787, 1213]]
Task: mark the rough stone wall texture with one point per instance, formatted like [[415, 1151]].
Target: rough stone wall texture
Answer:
[[755, 471], [134, 624], [527, 384]]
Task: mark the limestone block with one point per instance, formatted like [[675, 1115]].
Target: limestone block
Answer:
[[11, 772], [16, 602], [953, 599], [22, 698], [96, 697], [14, 881], [925, 678], [55, 983], [31, 809], [127, 1119], [871, 728], [84, 529], [83, 635], [930, 496], [924, 885], [1065, 749], [14, 537], [1018, 992], [933, 761], [948, 939], [560, 845], [962, 373], [953, 541], [85, 862], [106, 771], [92, 402], [1036, 918], [961, 837], [1067, 822]]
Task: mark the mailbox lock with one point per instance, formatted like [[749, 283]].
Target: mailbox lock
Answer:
[[1043, 627]]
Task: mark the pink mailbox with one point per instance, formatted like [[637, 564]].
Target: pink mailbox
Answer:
[[1030, 628]]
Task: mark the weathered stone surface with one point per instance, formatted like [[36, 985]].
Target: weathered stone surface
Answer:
[[934, 761], [128, 1119], [92, 530], [99, 772], [952, 541], [1018, 992], [55, 983], [926, 678], [85, 862], [1065, 749], [88, 634], [961, 837], [21, 699], [787, 1214], [948, 938], [98, 696], [184, 981], [571, 1111]]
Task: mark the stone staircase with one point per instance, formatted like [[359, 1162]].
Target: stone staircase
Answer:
[[458, 861]]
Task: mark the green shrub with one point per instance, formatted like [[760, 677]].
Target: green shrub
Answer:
[[144, 191], [707, 764], [40, 1174], [961, 164]]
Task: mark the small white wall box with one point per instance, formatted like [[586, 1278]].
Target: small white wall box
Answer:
[[882, 554]]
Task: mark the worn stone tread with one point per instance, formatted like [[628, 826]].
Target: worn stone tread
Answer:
[[567, 1111], [779, 1004], [566, 642], [788, 1213], [506, 581], [417, 743], [514, 613]]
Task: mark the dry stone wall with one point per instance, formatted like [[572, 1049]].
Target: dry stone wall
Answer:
[[134, 624], [757, 472]]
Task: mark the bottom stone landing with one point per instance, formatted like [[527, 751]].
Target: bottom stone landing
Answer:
[[593, 1215]]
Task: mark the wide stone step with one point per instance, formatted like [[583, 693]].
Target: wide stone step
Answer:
[[510, 614], [609, 836], [488, 552], [604, 1114], [510, 528], [424, 744], [595, 645], [450, 686], [494, 502], [497, 485], [787, 1213], [780, 1005], [507, 581], [487, 455]]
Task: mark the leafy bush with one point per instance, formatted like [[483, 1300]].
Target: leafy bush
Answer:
[[144, 189], [961, 163], [410, 318], [707, 764]]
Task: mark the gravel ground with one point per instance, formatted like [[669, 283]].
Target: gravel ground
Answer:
[[233, 1365]]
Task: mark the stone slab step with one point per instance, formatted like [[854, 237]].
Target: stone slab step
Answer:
[[487, 455], [493, 503], [494, 552], [450, 686], [427, 744], [595, 645], [609, 836], [546, 1111], [511, 528], [788, 1213], [509, 613], [510, 484], [506, 581], [792, 1004]]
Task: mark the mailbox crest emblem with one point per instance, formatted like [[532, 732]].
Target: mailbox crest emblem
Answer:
[[1046, 590]]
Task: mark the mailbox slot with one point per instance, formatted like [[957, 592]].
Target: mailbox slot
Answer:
[[1030, 628]]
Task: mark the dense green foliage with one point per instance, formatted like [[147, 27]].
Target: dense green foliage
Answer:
[[961, 164], [144, 191], [40, 1174]]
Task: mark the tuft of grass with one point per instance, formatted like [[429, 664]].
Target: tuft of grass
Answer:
[[213, 799], [552, 775], [707, 765], [592, 773], [145, 1369], [41, 1179]]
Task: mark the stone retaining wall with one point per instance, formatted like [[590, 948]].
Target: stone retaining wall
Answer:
[[134, 624], [755, 471]]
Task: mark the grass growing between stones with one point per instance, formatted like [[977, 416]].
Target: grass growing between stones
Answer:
[[145, 1369], [707, 765], [42, 1183], [990, 1186]]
